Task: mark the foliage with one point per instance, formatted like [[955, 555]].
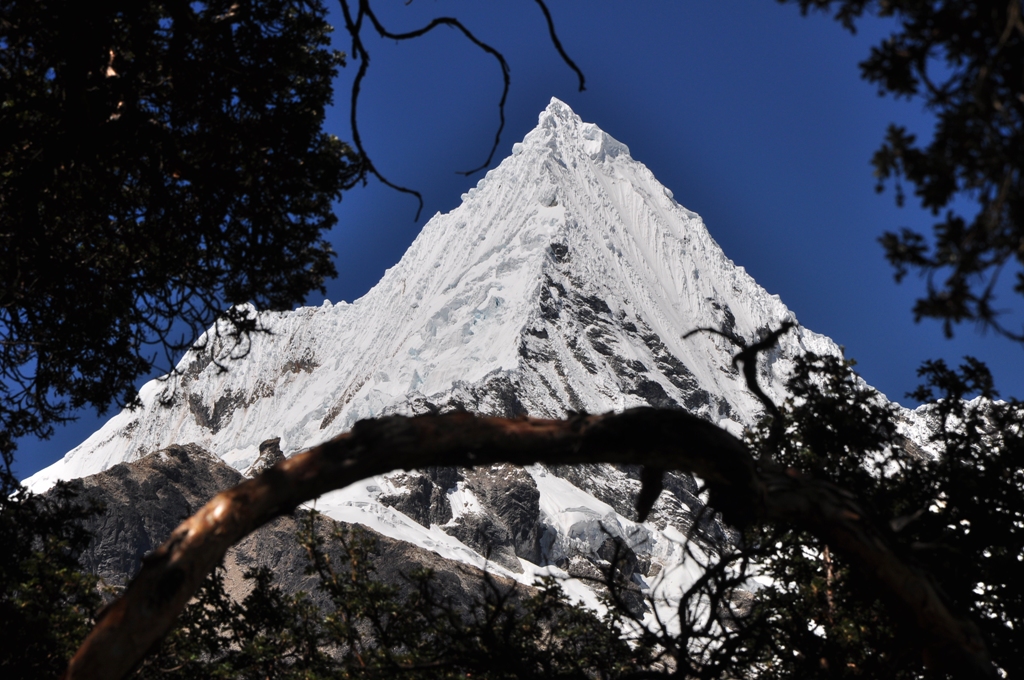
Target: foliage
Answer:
[[956, 508], [365, 628], [159, 161], [46, 602], [972, 534], [773, 604], [965, 60], [267, 635]]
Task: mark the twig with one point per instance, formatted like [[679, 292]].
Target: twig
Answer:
[[744, 491], [354, 27], [748, 357]]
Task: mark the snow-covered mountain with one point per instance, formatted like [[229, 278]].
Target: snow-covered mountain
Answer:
[[564, 282]]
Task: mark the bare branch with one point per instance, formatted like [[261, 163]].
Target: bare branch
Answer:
[[558, 44], [748, 357], [745, 492], [354, 27], [452, 22]]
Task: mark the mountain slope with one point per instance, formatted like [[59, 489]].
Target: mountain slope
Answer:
[[564, 282], [144, 500]]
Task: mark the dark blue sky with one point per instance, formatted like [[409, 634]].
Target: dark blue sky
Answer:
[[754, 116]]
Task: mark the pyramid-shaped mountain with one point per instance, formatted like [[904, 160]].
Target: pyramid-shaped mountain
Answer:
[[564, 282]]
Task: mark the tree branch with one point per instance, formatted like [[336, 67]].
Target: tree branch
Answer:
[[747, 356], [558, 45], [744, 490], [451, 22], [354, 27]]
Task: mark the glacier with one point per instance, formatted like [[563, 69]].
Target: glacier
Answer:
[[569, 220], [564, 282]]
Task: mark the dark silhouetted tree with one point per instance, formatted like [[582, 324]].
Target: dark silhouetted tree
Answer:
[[159, 162], [964, 59]]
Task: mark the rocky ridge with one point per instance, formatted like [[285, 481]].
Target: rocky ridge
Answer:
[[144, 500], [565, 282]]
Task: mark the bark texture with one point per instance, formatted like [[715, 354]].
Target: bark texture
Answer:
[[744, 490]]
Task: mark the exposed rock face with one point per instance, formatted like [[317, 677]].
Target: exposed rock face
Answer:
[[617, 559], [678, 505], [270, 455], [146, 499], [512, 500], [488, 537], [505, 527], [423, 501]]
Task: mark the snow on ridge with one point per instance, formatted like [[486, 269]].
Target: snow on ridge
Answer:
[[569, 209], [565, 281]]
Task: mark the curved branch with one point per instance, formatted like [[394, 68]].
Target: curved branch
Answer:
[[745, 492], [456, 24], [748, 357], [558, 44], [354, 26]]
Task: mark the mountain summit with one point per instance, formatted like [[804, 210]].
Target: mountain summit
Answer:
[[565, 282]]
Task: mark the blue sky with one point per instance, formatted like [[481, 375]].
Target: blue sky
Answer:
[[754, 116]]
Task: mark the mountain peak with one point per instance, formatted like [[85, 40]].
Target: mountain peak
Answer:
[[559, 110], [564, 282], [558, 125], [558, 107]]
